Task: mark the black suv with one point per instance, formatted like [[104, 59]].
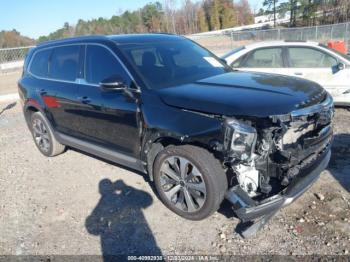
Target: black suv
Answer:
[[165, 106]]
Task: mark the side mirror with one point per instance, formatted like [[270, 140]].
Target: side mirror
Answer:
[[341, 66], [113, 83]]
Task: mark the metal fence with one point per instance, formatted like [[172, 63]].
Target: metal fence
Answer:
[[228, 39], [13, 54], [11, 59]]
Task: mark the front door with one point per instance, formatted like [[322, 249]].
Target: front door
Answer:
[[107, 118], [267, 60], [320, 67]]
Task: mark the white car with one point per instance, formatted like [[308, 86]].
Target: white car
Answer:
[[309, 60]]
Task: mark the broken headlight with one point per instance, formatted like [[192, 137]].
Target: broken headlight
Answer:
[[243, 139]]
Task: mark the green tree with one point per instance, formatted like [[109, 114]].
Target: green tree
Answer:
[[271, 6], [307, 10], [151, 16], [293, 5]]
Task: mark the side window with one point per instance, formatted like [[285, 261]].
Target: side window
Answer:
[[238, 62], [100, 64], [265, 58], [40, 63], [303, 57], [65, 63]]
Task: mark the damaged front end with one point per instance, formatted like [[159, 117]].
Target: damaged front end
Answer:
[[274, 160]]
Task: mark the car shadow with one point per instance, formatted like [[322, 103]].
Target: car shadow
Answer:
[[339, 165], [119, 221], [8, 107]]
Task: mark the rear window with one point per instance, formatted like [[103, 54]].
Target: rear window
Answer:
[[65, 63], [40, 63]]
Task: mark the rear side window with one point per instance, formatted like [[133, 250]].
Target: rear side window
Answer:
[[302, 57], [65, 63], [265, 58], [40, 63], [100, 64]]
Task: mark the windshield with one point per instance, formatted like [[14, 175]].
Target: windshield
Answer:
[[170, 63], [233, 52]]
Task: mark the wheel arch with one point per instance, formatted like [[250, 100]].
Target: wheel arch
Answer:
[[28, 110], [153, 146]]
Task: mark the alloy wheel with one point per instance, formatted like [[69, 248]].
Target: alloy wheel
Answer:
[[182, 183], [41, 135]]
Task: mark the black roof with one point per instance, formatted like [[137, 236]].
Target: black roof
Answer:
[[118, 39], [142, 38]]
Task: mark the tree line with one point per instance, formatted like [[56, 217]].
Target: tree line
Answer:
[[13, 39], [309, 12], [191, 17]]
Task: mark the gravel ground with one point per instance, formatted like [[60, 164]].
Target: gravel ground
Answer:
[[8, 82], [68, 205]]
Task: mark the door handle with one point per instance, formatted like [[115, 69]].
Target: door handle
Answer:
[[42, 92], [84, 99], [298, 73]]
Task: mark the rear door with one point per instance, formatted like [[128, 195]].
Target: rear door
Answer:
[[268, 60], [106, 118], [316, 65], [64, 70]]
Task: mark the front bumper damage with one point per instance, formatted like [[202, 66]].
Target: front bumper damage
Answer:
[[255, 214]]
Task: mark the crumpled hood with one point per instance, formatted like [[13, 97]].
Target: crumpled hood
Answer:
[[245, 94]]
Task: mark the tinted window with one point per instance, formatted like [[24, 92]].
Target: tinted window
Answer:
[[304, 57], [101, 64], [65, 63], [40, 63], [265, 58], [138, 54]]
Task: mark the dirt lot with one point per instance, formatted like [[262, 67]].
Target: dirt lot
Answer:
[[8, 82], [55, 206]]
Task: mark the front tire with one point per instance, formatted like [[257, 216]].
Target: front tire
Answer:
[[190, 181], [43, 136]]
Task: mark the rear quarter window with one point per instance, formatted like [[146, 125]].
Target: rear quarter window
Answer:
[[40, 63]]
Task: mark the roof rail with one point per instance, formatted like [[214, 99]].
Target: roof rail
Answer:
[[62, 40], [299, 41]]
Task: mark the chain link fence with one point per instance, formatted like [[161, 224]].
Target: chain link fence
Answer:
[[223, 42], [12, 58]]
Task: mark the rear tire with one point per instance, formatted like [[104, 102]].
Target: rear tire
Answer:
[[190, 181], [43, 136]]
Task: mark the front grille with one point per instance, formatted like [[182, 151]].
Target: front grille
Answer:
[[310, 123], [310, 130]]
